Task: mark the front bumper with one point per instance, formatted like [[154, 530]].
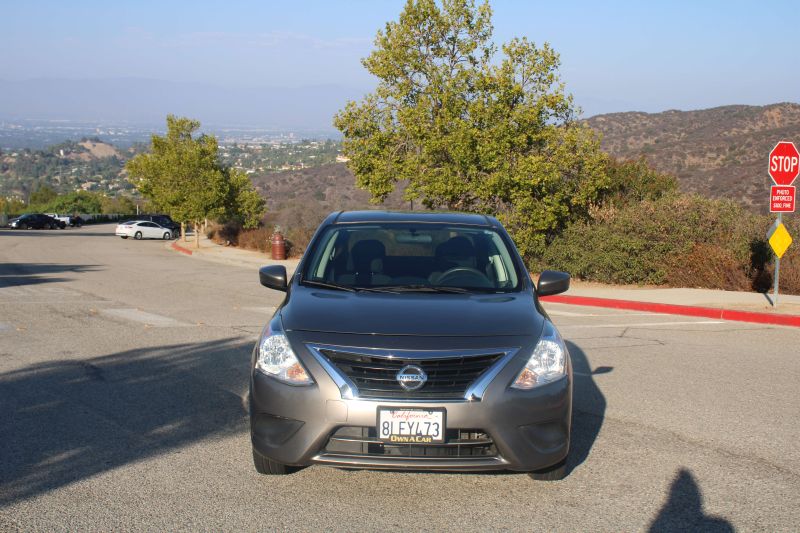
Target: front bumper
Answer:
[[530, 430]]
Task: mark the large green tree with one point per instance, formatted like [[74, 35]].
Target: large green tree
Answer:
[[182, 176], [464, 127]]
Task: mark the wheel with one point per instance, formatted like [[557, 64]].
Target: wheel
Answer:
[[23, 226], [167, 236], [124, 236], [556, 472], [51, 226], [138, 236], [269, 467]]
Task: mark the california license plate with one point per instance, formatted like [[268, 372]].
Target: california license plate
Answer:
[[411, 426]]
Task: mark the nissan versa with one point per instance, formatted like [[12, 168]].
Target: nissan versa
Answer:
[[411, 341]]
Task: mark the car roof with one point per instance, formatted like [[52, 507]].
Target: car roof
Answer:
[[429, 217]]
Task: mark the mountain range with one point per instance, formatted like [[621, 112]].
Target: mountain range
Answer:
[[720, 152]]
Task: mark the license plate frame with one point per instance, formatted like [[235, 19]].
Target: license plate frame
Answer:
[[430, 415]]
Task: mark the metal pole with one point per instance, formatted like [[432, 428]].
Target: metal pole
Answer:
[[777, 272]]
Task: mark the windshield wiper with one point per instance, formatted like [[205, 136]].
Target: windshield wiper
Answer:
[[414, 288], [325, 285]]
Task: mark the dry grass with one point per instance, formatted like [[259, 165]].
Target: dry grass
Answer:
[[709, 266]]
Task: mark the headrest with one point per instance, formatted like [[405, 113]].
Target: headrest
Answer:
[[456, 248]]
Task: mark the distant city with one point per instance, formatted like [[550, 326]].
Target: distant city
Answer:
[[40, 134], [71, 156]]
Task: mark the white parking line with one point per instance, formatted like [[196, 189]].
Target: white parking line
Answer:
[[150, 319], [643, 324], [568, 313], [266, 310]]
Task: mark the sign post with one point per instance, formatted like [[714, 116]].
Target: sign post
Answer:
[[783, 168]]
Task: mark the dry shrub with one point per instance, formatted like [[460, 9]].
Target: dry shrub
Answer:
[[681, 241], [708, 266], [256, 239], [790, 273], [225, 234]]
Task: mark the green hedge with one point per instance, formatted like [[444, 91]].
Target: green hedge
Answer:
[[678, 239]]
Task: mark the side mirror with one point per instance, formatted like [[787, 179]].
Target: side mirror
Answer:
[[552, 282], [273, 277]]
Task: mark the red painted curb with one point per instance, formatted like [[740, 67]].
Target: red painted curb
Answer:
[[181, 249], [685, 310]]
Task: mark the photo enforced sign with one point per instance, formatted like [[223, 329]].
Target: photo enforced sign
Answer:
[[781, 199]]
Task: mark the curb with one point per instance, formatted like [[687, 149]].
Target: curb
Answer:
[[181, 249], [685, 310]]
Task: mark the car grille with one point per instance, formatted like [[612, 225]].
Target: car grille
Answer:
[[376, 376], [363, 441]]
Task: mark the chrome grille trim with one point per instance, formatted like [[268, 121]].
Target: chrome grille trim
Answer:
[[349, 390]]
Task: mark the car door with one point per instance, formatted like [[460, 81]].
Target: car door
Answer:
[[150, 230]]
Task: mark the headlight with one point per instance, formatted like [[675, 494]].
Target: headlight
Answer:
[[547, 363], [276, 358]]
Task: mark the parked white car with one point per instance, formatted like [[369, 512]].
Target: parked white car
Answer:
[[143, 229]]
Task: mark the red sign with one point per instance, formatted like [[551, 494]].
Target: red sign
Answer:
[[784, 163], [781, 199]]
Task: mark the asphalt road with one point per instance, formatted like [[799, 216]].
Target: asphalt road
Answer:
[[123, 369]]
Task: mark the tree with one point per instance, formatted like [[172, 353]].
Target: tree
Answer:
[[244, 204], [117, 205], [182, 176], [77, 202], [43, 195], [469, 132]]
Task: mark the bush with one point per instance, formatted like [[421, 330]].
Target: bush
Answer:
[[225, 234], [256, 239], [634, 181], [678, 240]]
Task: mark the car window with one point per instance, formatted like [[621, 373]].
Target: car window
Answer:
[[148, 225], [413, 255]]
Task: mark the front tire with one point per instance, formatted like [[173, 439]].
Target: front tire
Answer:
[[167, 236], [268, 467], [557, 472], [23, 226], [138, 236]]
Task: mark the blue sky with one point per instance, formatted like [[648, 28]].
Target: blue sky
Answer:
[[616, 56]]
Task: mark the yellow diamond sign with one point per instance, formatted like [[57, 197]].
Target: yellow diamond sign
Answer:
[[780, 240]]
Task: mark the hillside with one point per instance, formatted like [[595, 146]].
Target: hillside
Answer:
[[718, 152], [89, 164], [302, 198]]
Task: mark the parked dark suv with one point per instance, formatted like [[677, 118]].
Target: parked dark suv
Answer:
[[411, 341], [36, 221]]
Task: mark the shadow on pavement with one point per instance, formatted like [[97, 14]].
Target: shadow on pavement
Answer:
[[588, 406], [17, 274], [67, 420], [684, 509], [55, 233]]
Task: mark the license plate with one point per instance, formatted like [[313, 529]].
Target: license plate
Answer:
[[411, 426]]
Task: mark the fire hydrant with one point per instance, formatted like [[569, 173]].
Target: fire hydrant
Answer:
[[278, 247]]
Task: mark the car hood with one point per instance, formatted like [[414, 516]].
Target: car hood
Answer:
[[430, 314]]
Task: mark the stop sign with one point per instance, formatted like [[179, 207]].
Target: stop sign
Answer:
[[784, 163]]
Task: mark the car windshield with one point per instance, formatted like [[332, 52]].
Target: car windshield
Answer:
[[411, 257]]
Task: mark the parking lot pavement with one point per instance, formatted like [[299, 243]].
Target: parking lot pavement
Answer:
[[123, 375]]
